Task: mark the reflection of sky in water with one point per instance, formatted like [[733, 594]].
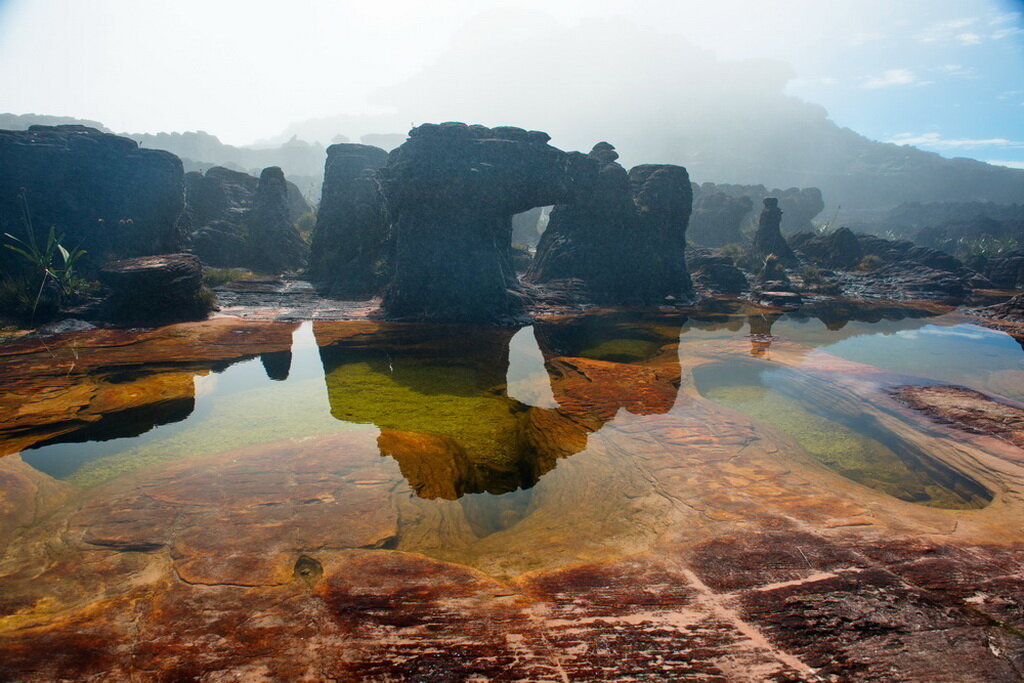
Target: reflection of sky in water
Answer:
[[973, 356], [527, 378]]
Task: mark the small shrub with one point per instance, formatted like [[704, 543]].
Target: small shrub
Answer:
[[742, 256], [305, 225], [870, 263]]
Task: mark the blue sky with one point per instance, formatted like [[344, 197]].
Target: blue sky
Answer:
[[945, 75]]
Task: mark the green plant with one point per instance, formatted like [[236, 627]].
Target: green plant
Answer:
[[43, 267]]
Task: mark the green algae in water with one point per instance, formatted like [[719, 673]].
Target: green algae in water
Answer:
[[855, 456], [483, 420]]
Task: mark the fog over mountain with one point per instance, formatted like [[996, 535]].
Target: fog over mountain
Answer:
[[657, 98]]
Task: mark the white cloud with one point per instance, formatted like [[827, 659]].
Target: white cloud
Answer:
[[1008, 164], [935, 140], [969, 38], [945, 31], [956, 70], [1007, 32], [890, 78]]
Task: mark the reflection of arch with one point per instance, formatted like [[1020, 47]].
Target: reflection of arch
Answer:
[[439, 396]]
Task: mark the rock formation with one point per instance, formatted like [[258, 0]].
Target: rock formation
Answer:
[[799, 205], [1005, 270], [768, 240], [155, 289], [350, 253], [220, 203], [624, 236], [274, 243], [100, 191], [451, 191], [837, 249], [717, 219], [715, 274]]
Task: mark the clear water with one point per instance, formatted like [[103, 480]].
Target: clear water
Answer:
[[481, 416]]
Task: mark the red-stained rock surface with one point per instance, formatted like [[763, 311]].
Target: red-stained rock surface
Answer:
[[668, 538], [967, 409]]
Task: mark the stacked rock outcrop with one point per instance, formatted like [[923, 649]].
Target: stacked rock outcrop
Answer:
[[350, 246], [451, 191], [624, 235], [101, 192]]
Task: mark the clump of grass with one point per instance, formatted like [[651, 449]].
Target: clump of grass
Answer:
[[305, 225], [214, 277]]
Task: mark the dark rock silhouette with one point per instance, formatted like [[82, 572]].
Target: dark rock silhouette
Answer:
[[220, 204], [274, 243], [451, 191], [768, 240], [799, 205], [100, 191], [154, 289], [1004, 270], [350, 252], [717, 218], [624, 236]]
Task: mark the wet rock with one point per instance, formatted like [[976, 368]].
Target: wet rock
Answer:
[[966, 409], [63, 327], [351, 252], [275, 245], [624, 237], [451, 191], [768, 240], [101, 192], [155, 289], [717, 219]]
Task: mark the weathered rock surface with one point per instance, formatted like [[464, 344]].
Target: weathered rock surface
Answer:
[[624, 237], [228, 230], [351, 251], [682, 543], [451, 191], [274, 243], [101, 192], [1006, 271], [718, 218], [155, 289], [967, 409], [715, 274], [837, 249], [768, 240]]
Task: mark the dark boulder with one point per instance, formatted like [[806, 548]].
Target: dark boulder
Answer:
[[274, 244], [221, 244], [451, 191], [101, 192], [718, 218], [837, 249], [350, 250], [715, 274], [155, 289], [768, 240], [1006, 271], [624, 235], [220, 194]]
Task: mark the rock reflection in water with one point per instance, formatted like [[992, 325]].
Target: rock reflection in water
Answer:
[[440, 394]]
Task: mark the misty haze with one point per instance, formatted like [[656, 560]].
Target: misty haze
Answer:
[[518, 340]]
